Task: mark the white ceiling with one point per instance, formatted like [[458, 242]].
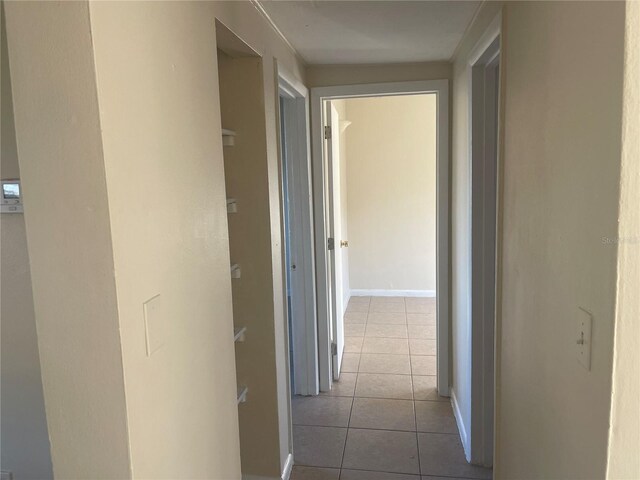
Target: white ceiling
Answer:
[[333, 32]]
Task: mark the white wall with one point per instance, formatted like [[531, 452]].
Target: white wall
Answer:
[[25, 440], [149, 217], [391, 151], [624, 434]]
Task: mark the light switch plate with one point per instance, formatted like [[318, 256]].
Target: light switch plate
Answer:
[[155, 324], [583, 337]]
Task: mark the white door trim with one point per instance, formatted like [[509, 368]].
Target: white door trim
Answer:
[[483, 208], [318, 95], [304, 334]]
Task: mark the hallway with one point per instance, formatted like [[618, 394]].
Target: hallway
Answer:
[[384, 419]]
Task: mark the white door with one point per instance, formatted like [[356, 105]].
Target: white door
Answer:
[[336, 307]]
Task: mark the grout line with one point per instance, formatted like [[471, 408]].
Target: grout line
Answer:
[[417, 475], [415, 415], [377, 429]]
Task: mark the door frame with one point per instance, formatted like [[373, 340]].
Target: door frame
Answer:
[[320, 94], [304, 321], [484, 145]]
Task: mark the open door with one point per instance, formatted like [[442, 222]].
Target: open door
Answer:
[[333, 215]]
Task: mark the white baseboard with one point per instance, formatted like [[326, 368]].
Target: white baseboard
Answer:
[[286, 472], [288, 466], [392, 293], [463, 431]]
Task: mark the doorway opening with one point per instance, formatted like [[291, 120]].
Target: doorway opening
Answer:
[[381, 208], [330, 252], [484, 108]]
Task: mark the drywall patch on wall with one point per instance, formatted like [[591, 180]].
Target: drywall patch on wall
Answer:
[[391, 183]]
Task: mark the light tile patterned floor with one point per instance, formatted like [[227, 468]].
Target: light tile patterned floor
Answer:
[[384, 419]]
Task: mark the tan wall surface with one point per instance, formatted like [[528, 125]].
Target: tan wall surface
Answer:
[[156, 86], [562, 147], [245, 170], [328, 75], [624, 435], [69, 238], [25, 440], [391, 185]]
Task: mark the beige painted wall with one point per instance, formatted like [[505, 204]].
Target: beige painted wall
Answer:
[[149, 218], [69, 241], [561, 175], [391, 150], [25, 440], [245, 170], [328, 75], [624, 434]]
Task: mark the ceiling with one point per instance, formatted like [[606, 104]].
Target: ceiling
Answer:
[[352, 32]]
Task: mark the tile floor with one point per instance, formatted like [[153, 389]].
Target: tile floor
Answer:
[[384, 419]]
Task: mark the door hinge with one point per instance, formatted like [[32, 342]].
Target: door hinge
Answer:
[[334, 348], [327, 132], [331, 243]]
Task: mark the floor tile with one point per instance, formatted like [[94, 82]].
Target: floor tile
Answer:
[[381, 450], [419, 346], [353, 344], [354, 330], [385, 363], [442, 454], [387, 300], [421, 300], [427, 309], [318, 446], [421, 319], [350, 362], [435, 417], [358, 299], [345, 387], [422, 331], [355, 317], [385, 345], [384, 386], [368, 475], [389, 318], [386, 331], [423, 365], [421, 305], [322, 411], [429, 477], [357, 307], [314, 473], [426, 388], [387, 307], [383, 414]]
